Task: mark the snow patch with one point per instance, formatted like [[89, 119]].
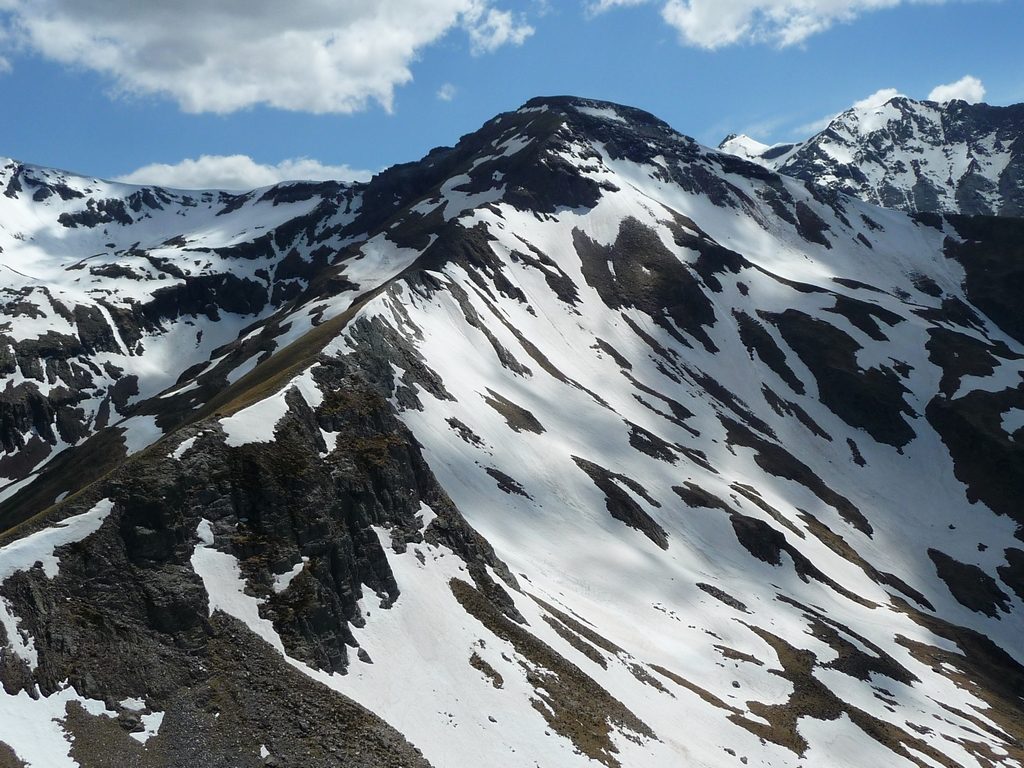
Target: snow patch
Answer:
[[283, 580], [243, 368], [603, 113], [140, 432], [225, 585], [151, 724], [256, 423], [185, 446], [33, 727], [40, 547], [21, 643], [1013, 420]]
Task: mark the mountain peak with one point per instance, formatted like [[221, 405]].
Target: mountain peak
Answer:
[[744, 146], [604, 110], [916, 156], [867, 117]]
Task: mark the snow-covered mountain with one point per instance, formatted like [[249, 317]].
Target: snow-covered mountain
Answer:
[[575, 444], [917, 156], [753, 150]]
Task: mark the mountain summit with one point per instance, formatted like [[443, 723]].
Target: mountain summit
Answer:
[[916, 156], [574, 444]]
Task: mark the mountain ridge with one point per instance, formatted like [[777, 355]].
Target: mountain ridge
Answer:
[[573, 377], [917, 156]]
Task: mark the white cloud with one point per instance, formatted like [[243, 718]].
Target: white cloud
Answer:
[[447, 92], [314, 55], [5, 63], [490, 29], [718, 23], [876, 99], [237, 172], [816, 126], [968, 88], [600, 6]]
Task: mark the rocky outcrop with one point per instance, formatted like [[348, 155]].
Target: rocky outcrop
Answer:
[[323, 513]]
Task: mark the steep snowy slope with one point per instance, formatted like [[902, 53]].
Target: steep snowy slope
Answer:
[[623, 452], [111, 292], [912, 156]]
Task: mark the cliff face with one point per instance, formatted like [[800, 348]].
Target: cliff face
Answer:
[[525, 453], [136, 612]]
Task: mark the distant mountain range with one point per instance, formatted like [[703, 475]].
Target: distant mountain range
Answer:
[[916, 156], [575, 444]]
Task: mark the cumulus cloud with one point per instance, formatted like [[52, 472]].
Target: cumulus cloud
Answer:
[[5, 63], [968, 88], [315, 55], [237, 172], [877, 99], [600, 6], [490, 29], [447, 92], [717, 23]]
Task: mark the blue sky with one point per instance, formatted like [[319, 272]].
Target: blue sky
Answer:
[[106, 87]]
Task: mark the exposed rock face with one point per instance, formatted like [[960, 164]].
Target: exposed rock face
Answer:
[[289, 506], [915, 156], [522, 454]]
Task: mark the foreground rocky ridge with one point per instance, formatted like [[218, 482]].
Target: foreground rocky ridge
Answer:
[[527, 452]]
